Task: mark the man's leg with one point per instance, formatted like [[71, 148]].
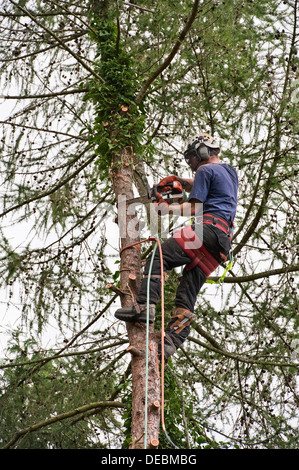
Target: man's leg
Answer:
[[173, 256], [191, 281], [189, 287], [178, 327]]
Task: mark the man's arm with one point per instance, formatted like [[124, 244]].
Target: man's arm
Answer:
[[186, 183], [188, 208]]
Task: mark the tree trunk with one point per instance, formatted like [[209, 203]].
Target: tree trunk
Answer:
[[130, 277]]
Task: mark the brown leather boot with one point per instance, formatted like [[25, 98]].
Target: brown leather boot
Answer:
[[176, 332]]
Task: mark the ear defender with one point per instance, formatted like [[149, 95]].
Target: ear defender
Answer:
[[200, 146], [203, 152]]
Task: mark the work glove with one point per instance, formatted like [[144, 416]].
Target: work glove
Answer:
[[168, 179]]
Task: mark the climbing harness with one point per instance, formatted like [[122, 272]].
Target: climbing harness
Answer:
[[191, 244], [212, 219], [184, 233], [228, 267]]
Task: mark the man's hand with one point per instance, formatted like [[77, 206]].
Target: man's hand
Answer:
[[187, 209], [167, 180], [185, 182]]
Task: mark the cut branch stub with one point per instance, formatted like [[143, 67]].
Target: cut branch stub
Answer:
[[134, 351]]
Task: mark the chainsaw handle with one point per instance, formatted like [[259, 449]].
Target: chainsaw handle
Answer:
[[154, 193], [167, 192], [174, 186]]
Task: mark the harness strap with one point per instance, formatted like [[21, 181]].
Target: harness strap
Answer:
[[212, 219], [197, 252]]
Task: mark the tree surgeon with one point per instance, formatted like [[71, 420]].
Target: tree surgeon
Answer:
[[199, 247]]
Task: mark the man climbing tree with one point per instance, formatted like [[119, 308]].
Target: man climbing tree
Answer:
[[202, 247]]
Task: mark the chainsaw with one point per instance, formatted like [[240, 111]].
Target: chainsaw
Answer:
[[171, 193]]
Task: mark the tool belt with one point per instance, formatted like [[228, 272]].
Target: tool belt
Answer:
[[194, 248]]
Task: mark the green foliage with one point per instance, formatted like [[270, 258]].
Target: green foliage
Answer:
[[127, 419], [118, 121], [183, 428], [56, 387]]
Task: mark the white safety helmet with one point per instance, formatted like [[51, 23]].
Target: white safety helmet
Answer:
[[198, 147]]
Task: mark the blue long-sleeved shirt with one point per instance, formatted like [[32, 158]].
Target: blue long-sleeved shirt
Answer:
[[216, 186]]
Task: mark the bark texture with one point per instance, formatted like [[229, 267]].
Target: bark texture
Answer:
[[122, 170]]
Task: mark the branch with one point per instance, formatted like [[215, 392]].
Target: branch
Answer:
[[60, 41], [62, 416], [71, 341], [278, 155], [23, 126], [138, 7], [207, 336], [245, 359], [50, 191], [45, 95], [80, 221], [215, 383], [258, 181], [207, 378], [13, 15], [57, 356], [172, 54], [40, 51], [112, 397], [253, 277]]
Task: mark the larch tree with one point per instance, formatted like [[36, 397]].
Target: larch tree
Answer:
[[99, 99]]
